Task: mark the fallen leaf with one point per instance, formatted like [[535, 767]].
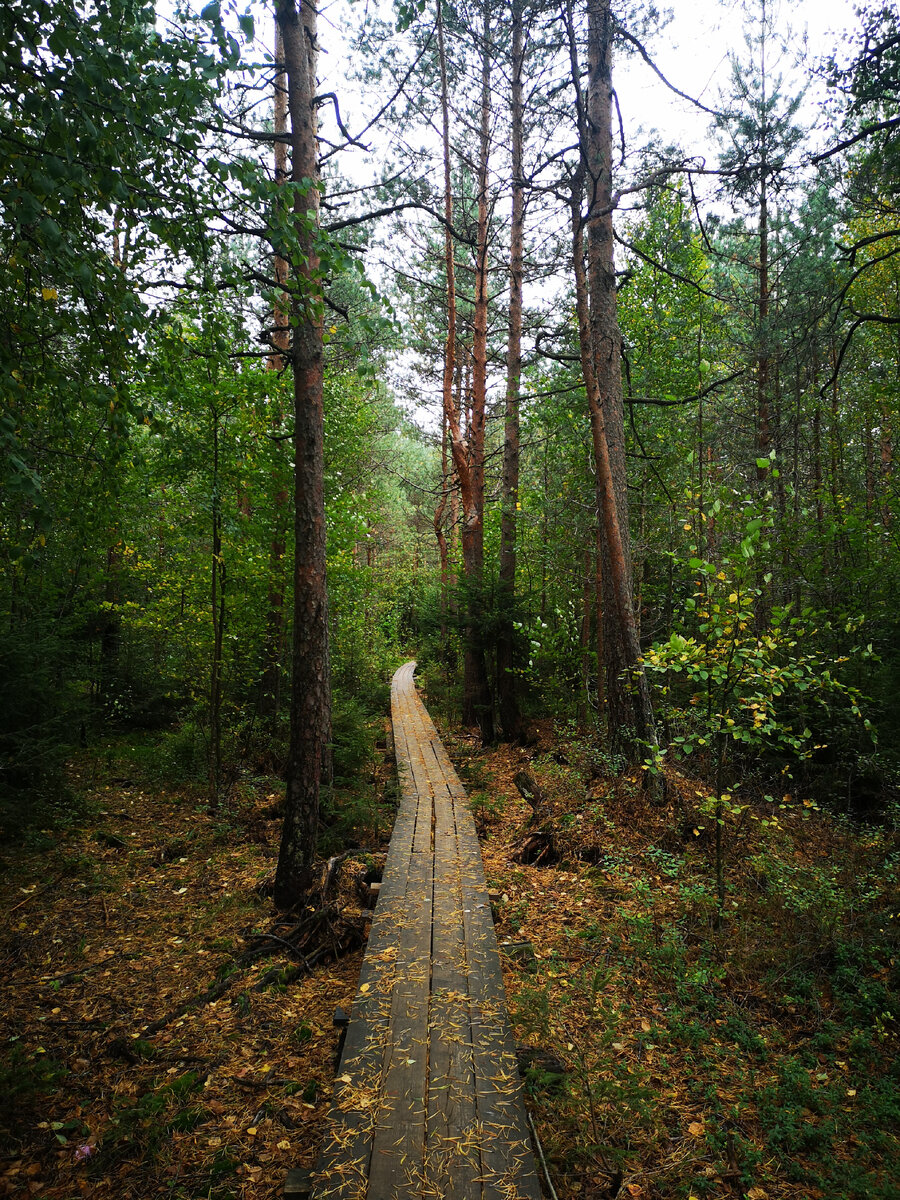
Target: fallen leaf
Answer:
[[695, 1129]]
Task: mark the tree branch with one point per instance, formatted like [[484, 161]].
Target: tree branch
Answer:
[[867, 131]]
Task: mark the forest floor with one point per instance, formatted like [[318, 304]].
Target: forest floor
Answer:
[[144, 903], [663, 1057]]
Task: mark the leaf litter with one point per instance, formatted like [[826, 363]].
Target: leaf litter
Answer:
[[141, 1056]]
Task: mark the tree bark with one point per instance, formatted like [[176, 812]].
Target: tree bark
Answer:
[[477, 704], [311, 687], [629, 710], [270, 684], [507, 690], [450, 357], [439, 531], [468, 450], [218, 579]]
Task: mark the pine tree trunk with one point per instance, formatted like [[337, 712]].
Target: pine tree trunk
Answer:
[[629, 710], [270, 684], [218, 580], [508, 704], [468, 450], [439, 533], [451, 365], [311, 687]]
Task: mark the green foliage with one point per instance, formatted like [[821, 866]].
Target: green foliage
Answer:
[[736, 687]]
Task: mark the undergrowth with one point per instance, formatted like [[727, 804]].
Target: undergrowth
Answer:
[[745, 1051]]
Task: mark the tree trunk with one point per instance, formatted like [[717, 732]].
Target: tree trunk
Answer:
[[510, 716], [217, 603], [629, 710], [587, 602], [450, 357], [477, 705], [270, 684], [468, 451], [311, 687], [439, 531]]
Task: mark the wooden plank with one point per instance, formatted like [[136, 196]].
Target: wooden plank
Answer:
[[453, 1150], [507, 1160], [428, 1100], [342, 1172], [398, 1149]]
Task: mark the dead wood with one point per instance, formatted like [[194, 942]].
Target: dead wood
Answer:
[[536, 849], [110, 839], [530, 790]]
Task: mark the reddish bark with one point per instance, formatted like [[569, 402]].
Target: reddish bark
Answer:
[[439, 532], [507, 698], [468, 450]]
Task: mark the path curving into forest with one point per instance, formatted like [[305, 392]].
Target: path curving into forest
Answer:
[[427, 1098]]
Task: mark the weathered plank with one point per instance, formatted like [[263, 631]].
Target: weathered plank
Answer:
[[428, 1101]]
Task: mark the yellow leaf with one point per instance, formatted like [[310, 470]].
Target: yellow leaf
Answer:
[[363, 987], [49, 293], [252, 1130], [695, 1129], [284, 1145]]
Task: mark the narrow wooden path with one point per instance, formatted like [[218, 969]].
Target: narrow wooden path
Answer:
[[427, 1096]]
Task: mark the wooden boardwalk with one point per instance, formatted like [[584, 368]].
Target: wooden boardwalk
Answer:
[[427, 1097]]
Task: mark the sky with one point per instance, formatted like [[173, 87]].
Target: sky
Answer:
[[693, 54]]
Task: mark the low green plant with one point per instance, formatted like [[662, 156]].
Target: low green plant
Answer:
[[733, 688]]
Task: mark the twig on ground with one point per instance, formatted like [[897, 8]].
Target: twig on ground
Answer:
[[35, 893], [543, 1161]]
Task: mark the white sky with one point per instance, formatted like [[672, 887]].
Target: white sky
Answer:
[[693, 53]]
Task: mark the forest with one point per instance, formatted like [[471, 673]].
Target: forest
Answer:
[[334, 338]]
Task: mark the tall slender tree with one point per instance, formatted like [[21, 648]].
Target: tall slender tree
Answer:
[[628, 704], [508, 705], [311, 685], [270, 690]]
